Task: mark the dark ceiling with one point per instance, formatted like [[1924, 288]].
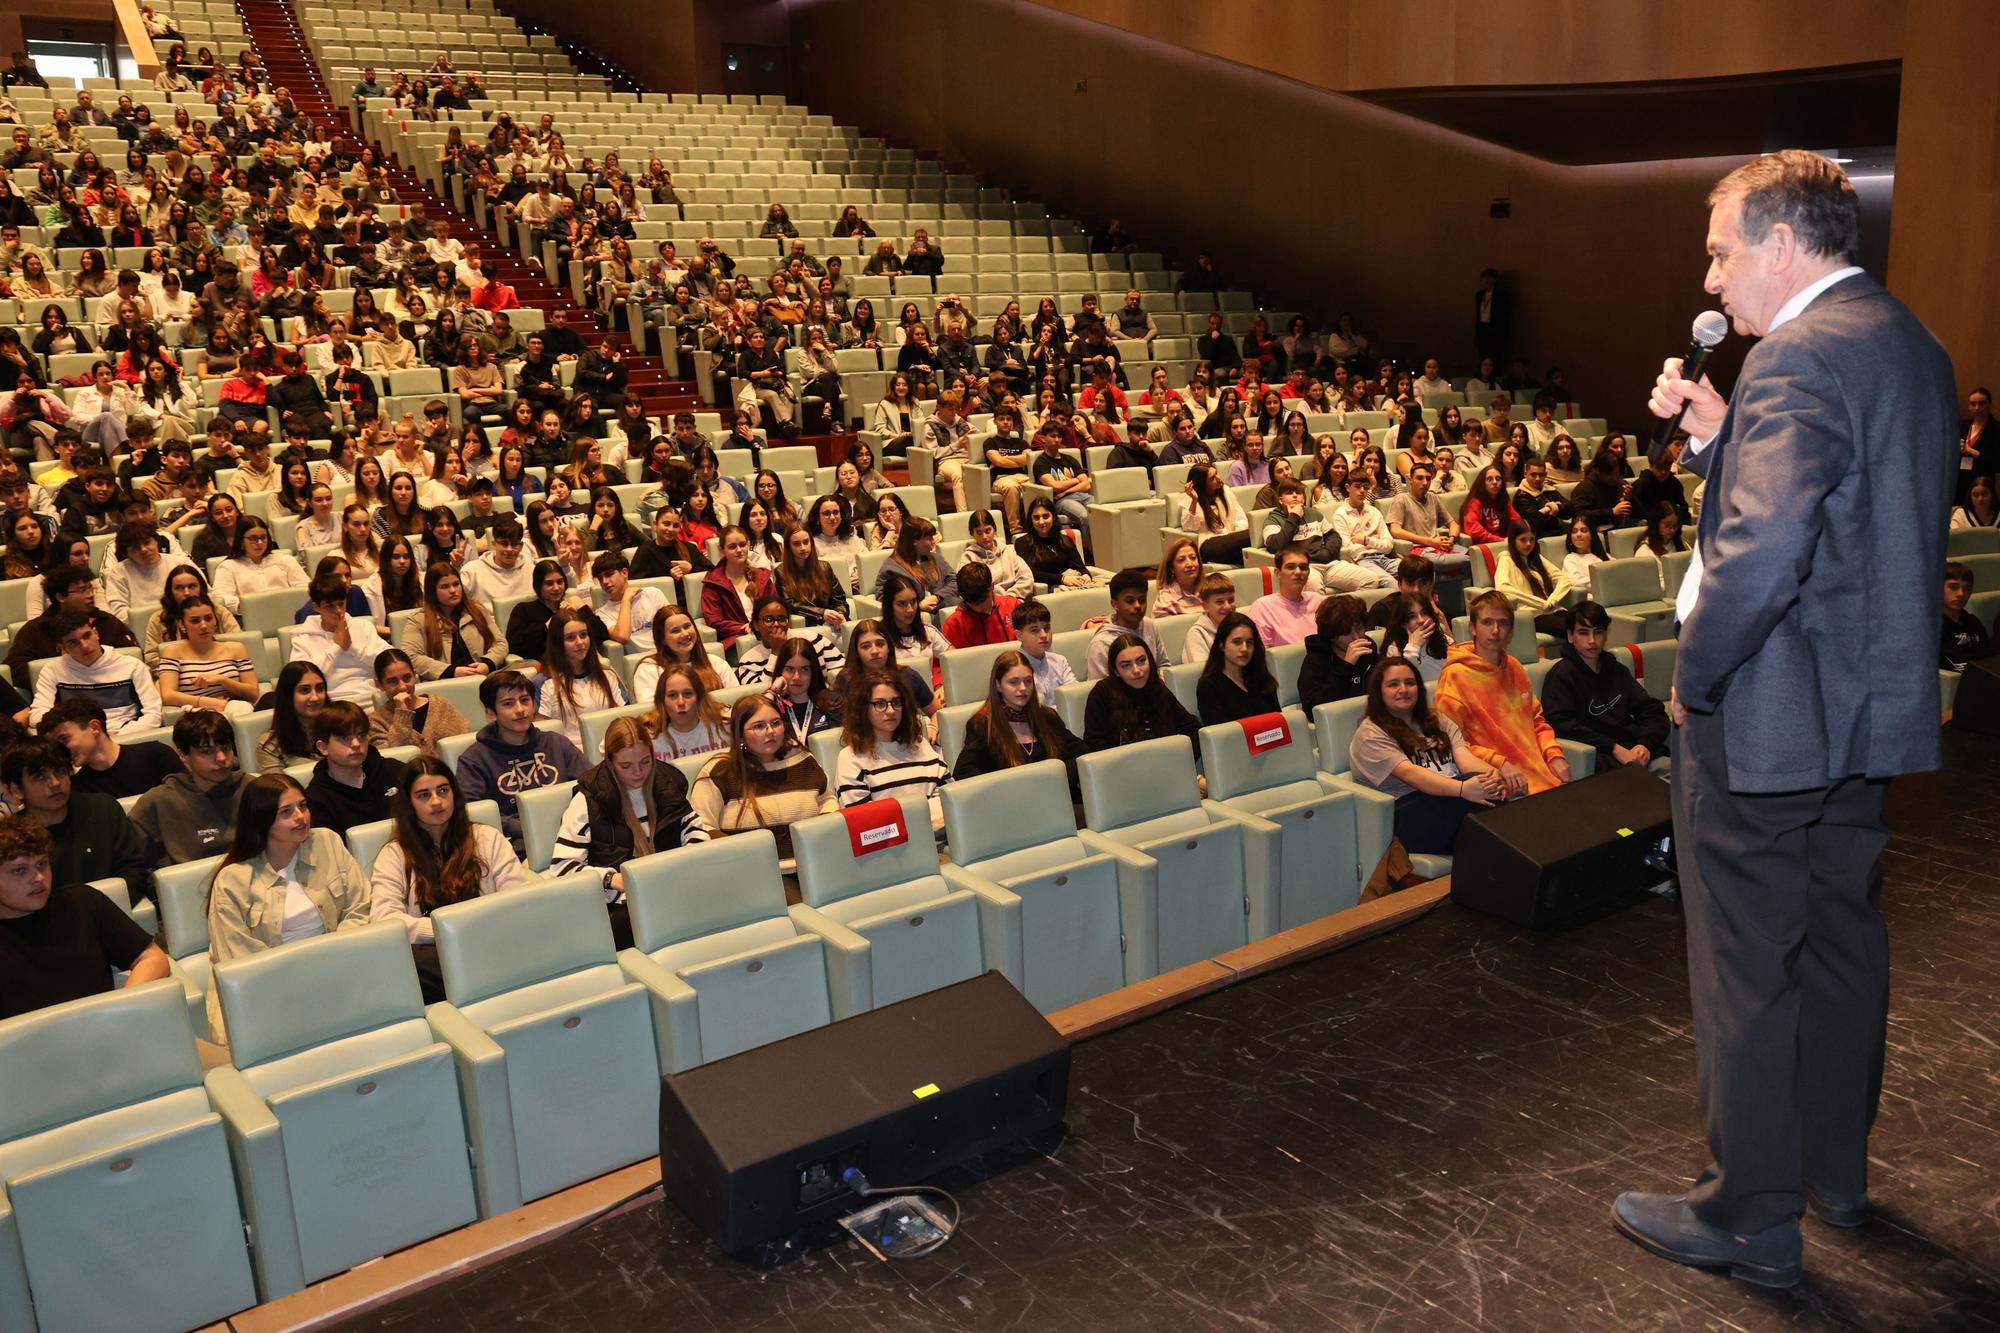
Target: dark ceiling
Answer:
[[1634, 122]]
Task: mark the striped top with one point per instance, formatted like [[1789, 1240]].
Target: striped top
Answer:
[[206, 679], [891, 772]]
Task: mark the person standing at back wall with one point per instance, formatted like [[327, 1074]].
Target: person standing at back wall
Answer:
[[1830, 470]]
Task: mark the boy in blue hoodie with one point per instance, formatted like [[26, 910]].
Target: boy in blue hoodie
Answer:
[[512, 755]]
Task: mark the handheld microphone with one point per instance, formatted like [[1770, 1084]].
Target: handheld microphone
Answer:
[[1710, 328]]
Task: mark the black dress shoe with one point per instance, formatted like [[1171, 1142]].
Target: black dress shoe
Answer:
[[1664, 1224], [1836, 1211]]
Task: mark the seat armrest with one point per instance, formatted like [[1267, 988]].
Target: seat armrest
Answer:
[[1262, 842], [850, 971], [257, 1148], [1138, 902], [1000, 929], [489, 1109], [676, 1010], [1582, 758]]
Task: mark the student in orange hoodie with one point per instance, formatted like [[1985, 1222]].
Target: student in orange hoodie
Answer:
[[1486, 692]]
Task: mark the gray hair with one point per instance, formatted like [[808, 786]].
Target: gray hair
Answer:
[[1803, 190]]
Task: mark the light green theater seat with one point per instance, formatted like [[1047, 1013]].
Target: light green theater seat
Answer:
[[725, 966], [117, 1205], [1305, 819], [895, 922], [342, 1109], [1144, 797], [553, 1044], [1084, 905], [183, 893]]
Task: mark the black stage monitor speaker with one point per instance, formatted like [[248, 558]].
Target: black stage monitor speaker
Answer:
[[1551, 855], [1976, 706], [752, 1147]]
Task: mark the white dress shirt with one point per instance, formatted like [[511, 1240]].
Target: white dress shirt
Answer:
[[1691, 583]]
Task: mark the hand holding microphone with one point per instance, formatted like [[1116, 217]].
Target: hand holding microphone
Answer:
[[1682, 397]]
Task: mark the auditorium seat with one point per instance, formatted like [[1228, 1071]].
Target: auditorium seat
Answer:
[[462, 693], [342, 1110], [1630, 590], [1334, 725], [553, 1043], [1125, 531], [725, 965], [598, 721], [1305, 820], [968, 670], [118, 1206], [1085, 909], [1206, 882], [541, 818], [951, 722], [144, 915], [183, 894]]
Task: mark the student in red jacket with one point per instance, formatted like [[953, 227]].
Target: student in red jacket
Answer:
[[982, 615]]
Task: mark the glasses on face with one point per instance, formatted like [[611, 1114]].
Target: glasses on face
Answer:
[[765, 726], [886, 705]]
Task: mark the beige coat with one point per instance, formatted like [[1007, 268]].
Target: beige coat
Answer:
[[246, 908]]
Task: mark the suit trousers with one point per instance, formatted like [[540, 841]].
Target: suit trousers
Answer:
[[1788, 969]]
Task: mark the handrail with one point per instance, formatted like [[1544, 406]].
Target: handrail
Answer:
[[140, 42]]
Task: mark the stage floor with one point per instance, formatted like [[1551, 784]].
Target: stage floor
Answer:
[[1422, 1133]]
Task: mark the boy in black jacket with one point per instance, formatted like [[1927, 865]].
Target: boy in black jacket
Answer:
[[1590, 696]]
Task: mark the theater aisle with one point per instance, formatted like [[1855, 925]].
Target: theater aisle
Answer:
[[1423, 1133]]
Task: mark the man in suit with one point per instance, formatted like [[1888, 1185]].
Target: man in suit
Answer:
[[1492, 312], [1824, 519]]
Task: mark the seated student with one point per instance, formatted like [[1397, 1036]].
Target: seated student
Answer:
[[1422, 760], [869, 645], [1011, 575], [731, 589], [282, 880], [1287, 613], [297, 697], [573, 679], [1132, 703], [771, 623], [916, 559], [1013, 727], [1663, 538], [1236, 680], [198, 670], [1590, 696], [678, 643], [1363, 532], [1416, 579], [628, 608], [59, 940], [1419, 517], [192, 813], [1218, 600], [669, 554], [119, 685], [686, 720], [1965, 638], [1530, 583], [1050, 556], [1009, 456], [352, 783], [435, 856], [801, 690], [765, 779], [528, 623], [1034, 631], [342, 647], [629, 805], [404, 717], [917, 641], [452, 635], [982, 615], [500, 574], [1339, 654], [102, 764], [884, 751], [1486, 692], [67, 587], [1128, 621], [511, 754]]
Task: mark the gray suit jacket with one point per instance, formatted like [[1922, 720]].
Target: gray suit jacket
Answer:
[[1822, 539]]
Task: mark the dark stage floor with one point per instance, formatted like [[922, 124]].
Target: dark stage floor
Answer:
[[1422, 1133]]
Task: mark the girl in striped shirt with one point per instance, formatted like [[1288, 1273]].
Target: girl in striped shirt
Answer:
[[884, 753]]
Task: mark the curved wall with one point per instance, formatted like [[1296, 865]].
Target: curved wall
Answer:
[[1348, 45]]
